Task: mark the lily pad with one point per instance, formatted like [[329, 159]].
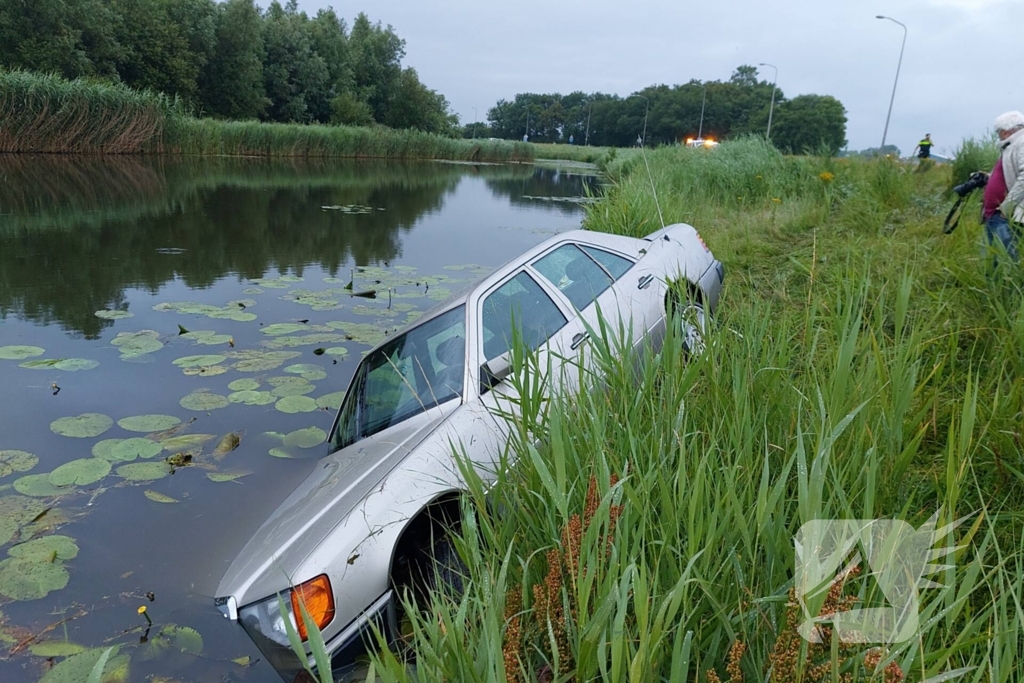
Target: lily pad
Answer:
[[283, 328], [305, 438], [200, 361], [208, 371], [210, 337], [103, 449], [299, 388], [46, 549], [252, 398], [252, 290], [38, 486], [172, 639], [148, 423], [78, 668], [16, 461], [203, 401], [21, 510], [55, 648], [135, 344], [158, 497], [25, 579], [228, 443], [20, 352], [66, 364], [84, 426], [143, 471], [82, 472], [296, 404], [221, 477], [303, 369], [280, 453], [288, 342], [363, 333], [8, 529], [235, 314], [176, 444], [244, 384], [332, 401], [114, 315], [130, 449], [337, 351], [261, 361]]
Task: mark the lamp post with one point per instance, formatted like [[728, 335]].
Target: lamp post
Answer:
[[474, 123], [771, 109], [895, 82], [590, 110], [647, 107], [700, 131]]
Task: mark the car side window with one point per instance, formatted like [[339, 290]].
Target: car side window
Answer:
[[518, 304], [577, 275], [613, 263]]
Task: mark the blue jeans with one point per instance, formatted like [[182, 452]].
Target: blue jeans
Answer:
[[997, 227]]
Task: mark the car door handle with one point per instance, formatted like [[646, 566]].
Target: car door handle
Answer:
[[578, 339], [645, 282]]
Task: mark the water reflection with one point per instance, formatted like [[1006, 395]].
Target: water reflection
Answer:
[[74, 233]]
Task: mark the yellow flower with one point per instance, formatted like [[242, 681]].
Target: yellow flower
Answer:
[[758, 177], [826, 177], [142, 610], [776, 200]]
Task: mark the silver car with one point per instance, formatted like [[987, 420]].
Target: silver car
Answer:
[[363, 526]]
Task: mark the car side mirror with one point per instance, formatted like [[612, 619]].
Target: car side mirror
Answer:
[[495, 370]]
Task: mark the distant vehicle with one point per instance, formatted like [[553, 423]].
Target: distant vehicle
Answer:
[[706, 143], [372, 520]]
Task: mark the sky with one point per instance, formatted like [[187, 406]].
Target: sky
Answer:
[[961, 66]]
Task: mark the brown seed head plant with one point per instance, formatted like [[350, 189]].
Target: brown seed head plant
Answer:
[[549, 605]]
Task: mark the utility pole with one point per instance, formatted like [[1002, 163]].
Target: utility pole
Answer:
[[590, 110], [771, 109], [474, 123], [700, 132]]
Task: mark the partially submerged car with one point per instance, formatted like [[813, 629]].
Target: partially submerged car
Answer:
[[358, 531]]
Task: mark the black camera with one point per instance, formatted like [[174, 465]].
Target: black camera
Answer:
[[976, 181]]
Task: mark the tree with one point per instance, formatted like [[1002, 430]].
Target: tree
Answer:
[[73, 38], [413, 105], [329, 39], [809, 123], [376, 64], [232, 83], [293, 74]]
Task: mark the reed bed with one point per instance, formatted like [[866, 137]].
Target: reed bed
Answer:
[[47, 114], [862, 366]]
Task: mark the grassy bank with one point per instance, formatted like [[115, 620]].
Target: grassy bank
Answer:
[[48, 114], [862, 366]]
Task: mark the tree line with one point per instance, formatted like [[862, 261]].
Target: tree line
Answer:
[[229, 59], [664, 114]]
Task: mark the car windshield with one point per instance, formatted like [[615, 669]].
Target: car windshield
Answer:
[[413, 372]]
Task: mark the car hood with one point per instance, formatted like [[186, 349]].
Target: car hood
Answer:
[[270, 560]]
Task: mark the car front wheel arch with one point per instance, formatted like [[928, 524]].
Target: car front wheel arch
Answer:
[[684, 305]]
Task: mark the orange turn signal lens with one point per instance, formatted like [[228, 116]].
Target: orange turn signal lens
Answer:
[[318, 599]]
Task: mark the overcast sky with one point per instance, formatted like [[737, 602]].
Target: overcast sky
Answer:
[[961, 69]]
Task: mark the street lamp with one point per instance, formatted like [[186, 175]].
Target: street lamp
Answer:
[[647, 106], [898, 65], [768, 135], [700, 131], [474, 123]]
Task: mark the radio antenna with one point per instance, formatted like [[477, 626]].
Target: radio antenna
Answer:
[[654, 190]]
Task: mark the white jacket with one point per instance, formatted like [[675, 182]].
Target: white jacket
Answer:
[[1013, 171]]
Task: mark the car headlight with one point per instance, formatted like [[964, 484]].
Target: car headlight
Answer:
[[265, 617]]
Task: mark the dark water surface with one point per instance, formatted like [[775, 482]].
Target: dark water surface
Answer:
[[223, 248]]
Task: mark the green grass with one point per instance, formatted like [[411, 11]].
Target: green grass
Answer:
[[862, 366], [48, 114]]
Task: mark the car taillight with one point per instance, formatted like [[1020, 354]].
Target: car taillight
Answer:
[[318, 599], [702, 242]]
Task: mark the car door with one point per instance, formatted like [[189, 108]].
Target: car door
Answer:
[[519, 307], [593, 281]]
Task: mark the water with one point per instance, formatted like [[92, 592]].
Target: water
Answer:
[[81, 236]]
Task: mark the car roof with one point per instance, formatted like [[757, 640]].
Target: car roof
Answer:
[[462, 296]]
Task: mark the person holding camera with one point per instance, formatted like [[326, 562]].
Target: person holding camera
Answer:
[[1004, 190]]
